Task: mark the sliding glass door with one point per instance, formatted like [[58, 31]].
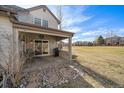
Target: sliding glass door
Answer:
[[41, 47], [45, 47]]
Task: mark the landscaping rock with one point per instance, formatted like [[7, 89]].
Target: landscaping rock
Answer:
[[49, 76]]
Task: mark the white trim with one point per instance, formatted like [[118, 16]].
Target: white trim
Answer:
[[42, 47], [37, 32]]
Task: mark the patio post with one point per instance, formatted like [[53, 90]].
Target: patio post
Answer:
[[16, 55], [70, 48]]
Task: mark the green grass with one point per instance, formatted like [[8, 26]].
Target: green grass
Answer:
[[107, 61]]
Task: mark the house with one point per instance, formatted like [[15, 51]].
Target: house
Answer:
[[121, 41], [34, 28], [112, 40], [115, 40]]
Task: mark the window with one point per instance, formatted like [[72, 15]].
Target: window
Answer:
[[37, 21], [40, 22], [45, 23]]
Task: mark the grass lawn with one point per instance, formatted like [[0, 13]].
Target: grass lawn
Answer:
[[106, 61]]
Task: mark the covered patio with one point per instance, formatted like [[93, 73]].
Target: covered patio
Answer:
[[31, 36]]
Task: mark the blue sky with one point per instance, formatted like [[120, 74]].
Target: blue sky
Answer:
[[88, 22]]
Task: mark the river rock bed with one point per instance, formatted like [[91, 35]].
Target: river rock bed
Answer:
[[48, 77]]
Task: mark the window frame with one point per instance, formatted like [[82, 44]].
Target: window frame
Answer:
[[39, 21], [45, 23]]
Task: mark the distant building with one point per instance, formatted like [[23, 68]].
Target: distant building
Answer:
[[78, 43], [115, 40], [121, 41], [83, 43]]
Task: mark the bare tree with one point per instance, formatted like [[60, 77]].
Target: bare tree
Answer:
[[9, 71]]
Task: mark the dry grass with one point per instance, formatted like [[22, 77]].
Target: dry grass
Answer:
[[106, 61]]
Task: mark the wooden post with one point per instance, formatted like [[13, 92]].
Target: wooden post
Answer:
[[70, 48]]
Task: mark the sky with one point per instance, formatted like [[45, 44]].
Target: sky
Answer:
[[90, 21]]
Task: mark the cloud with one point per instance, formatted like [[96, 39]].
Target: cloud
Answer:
[[75, 37], [96, 32], [88, 39], [72, 15], [97, 23], [71, 21], [73, 29], [105, 32], [120, 32]]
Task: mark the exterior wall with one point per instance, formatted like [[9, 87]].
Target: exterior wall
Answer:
[[6, 33], [39, 13], [52, 43], [52, 23], [121, 41], [24, 17], [116, 40]]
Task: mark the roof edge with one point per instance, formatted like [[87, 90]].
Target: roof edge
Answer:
[[7, 10], [36, 26]]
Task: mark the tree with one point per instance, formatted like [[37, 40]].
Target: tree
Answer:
[[100, 40], [10, 69]]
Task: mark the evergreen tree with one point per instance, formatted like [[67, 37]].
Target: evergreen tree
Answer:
[[100, 40]]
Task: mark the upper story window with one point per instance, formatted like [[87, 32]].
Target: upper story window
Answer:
[[45, 23], [37, 21], [40, 22]]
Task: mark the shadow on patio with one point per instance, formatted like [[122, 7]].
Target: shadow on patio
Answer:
[[43, 62]]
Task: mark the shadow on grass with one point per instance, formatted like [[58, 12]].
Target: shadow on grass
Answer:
[[102, 79]]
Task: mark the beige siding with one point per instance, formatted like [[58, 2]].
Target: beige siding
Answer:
[[52, 43], [6, 32], [39, 13], [24, 17]]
